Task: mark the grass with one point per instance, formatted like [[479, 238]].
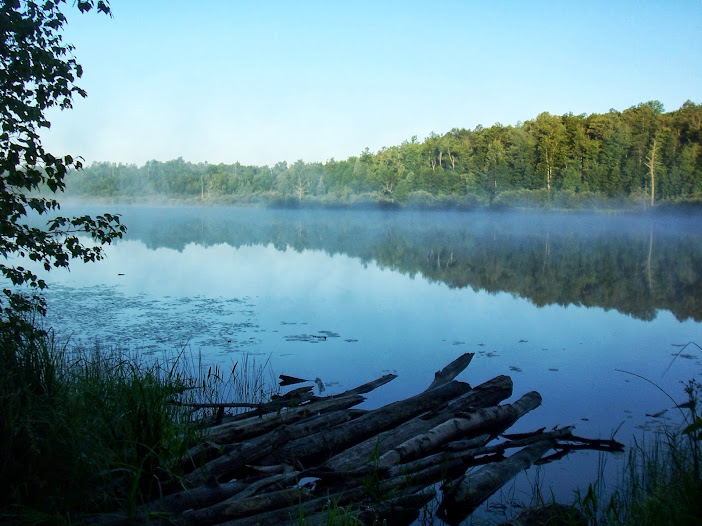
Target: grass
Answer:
[[91, 430], [662, 481], [660, 485]]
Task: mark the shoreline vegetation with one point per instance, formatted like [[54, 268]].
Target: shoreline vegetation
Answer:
[[92, 436], [636, 159], [89, 430], [520, 201]]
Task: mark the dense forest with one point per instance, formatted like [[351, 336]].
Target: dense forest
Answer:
[[639, 157]]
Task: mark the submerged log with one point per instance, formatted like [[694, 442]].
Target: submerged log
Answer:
[[475, 488], [367, 387], [286, 380], [452, 370]]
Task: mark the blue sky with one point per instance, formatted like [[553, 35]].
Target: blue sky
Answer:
[[265, 81]]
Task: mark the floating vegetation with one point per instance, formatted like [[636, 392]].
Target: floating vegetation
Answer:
[[105, 313], [310, 338]]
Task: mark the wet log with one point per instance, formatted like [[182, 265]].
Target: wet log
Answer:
[[260, 425], [294, 397], [219, 441], [277, 407], [475, 488], [286, 380], [238, 456], [486, 394], [450, 461], [216, 512], [367, 387], [326, 443], [475, 422], [277, 403], [452, 370], [466, 451]]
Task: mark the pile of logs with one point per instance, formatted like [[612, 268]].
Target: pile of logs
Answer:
[[303, 459]]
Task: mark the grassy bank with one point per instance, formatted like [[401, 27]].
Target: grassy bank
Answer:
[[88, 430]]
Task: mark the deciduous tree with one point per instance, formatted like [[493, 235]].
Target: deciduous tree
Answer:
[[37, 72]]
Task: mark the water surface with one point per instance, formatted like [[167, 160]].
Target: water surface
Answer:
[[559, 302]]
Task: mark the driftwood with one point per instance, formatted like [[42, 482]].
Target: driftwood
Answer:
[[487, 394], [476, 488], [467, 424], [326, 443], [319, 458]]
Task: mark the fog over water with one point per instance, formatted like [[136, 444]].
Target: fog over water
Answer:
[[559, 302]]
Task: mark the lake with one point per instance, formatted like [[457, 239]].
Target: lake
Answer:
[[561, 302]]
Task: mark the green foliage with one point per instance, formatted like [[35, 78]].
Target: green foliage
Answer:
[[38, 73], [574, 160], [86, 430]]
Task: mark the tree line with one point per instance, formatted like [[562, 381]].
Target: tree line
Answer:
[[642, 154]]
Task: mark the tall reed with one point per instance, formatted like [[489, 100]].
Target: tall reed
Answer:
[[89, 430], [662, 481]]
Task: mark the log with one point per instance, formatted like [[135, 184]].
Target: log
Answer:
[[329, 442], [449, 460], [238, 456], [223, 468], [478, 421], [367, 387], [286, 380], [475, 488], [476, 447], [259, 425], [486, 394], [251, 416], [277, 403], [452, 370]]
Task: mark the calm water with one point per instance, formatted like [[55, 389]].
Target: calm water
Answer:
[[560, 302]]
